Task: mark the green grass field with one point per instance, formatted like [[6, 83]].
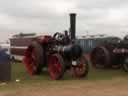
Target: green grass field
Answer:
[[19, 72]]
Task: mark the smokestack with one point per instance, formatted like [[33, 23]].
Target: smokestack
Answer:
[[73, 25]]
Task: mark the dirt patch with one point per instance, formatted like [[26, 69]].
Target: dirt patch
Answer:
[[76, 88]]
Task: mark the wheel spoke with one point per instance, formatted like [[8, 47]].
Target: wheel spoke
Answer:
[[30, 60], [54, 66], [81, 69]]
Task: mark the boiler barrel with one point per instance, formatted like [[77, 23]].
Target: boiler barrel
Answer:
[[71, 51]]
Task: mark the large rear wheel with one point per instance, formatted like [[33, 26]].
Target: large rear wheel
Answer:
[[56, 66], [34, 58], [100, 57]]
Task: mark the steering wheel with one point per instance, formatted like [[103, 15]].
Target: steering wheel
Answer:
[[58, 36]]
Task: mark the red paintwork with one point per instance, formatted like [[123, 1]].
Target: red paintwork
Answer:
[[54, 67], [44, 39], [79, 67], [30, 62]]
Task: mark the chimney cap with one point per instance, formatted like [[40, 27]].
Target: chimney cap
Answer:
[[72, 13]]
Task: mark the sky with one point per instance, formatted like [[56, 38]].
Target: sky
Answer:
[[49, 16]]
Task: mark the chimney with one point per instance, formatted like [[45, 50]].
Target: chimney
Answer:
[[73, 25]]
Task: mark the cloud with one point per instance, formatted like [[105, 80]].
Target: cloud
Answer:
[[102, 4], [96, 16]]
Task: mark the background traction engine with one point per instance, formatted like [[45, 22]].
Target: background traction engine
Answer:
[[111, 54], [58, 53]]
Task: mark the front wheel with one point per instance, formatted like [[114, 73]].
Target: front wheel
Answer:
[[56, 66], [81, 69]]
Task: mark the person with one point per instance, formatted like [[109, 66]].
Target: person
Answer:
[[66, 38]]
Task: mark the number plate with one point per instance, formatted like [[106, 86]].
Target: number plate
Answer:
[[74, 63]]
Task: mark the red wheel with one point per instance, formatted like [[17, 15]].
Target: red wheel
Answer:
[[33, 58], [81, 69], [56, 66]]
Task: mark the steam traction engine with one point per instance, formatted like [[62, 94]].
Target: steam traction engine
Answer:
[[111, 54], [58, 52]]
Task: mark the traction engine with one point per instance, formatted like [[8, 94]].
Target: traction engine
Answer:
[[111, 55], [58, 53]]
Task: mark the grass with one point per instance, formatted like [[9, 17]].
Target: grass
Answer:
[[19, 72]]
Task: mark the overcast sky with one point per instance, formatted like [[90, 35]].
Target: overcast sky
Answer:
[[96, 16]]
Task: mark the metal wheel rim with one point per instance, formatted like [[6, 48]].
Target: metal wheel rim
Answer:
[[82, 68]]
